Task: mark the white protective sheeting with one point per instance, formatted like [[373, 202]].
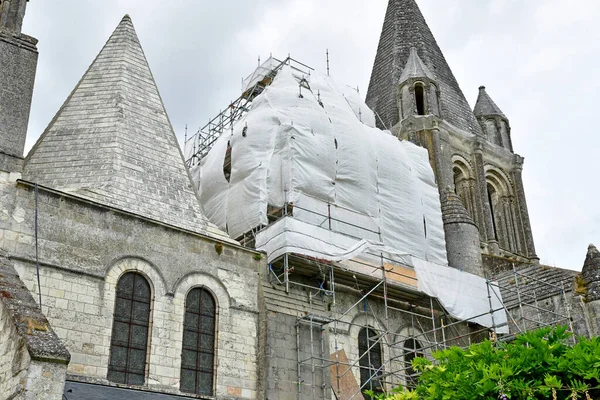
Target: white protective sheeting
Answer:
[[289, 235], [326, 160], [355, 193], [465, 296]]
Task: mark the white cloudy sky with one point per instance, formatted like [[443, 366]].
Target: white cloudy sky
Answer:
[[537, 58]]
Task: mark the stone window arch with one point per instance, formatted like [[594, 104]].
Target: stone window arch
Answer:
[[199, 342], [370, 360], [131, 330], [503, 209], [464, 185]]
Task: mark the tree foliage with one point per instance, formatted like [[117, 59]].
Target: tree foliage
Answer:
[[542, 364]]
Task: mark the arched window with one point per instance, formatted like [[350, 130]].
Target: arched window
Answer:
[[131, 321], [462, 187], [491, 192], [198, 354], [412, 349], [420, 99], [369, 350]]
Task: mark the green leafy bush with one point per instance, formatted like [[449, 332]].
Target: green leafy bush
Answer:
[[542, 364]]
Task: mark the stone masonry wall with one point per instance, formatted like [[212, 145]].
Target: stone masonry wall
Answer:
[[283, 353], [33, 360], [14, 358], [84, 248]]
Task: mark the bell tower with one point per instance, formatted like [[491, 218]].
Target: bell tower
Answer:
[[18, 63], [415, 95]]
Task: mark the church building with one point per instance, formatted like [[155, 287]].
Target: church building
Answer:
[[306, 244]]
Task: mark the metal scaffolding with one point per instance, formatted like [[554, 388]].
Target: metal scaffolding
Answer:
[[198, 145], [385, 293], [388, 294]]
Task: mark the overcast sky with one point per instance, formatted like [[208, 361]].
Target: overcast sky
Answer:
[[537, 58]]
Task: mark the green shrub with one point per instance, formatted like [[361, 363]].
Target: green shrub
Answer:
[[542, 364]]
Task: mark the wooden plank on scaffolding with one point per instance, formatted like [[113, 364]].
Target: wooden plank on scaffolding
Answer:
[[400, 274], [347, 382]]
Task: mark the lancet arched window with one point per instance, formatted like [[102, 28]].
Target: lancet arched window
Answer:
[[131, 322], [198, 353], [492, 200], [369, 350], [420, 99], [503, 210]]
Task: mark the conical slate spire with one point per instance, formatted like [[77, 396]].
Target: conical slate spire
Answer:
[[591, 273], [453, 210], [485, 105], [415, 68], [404, 27], [112, 141]]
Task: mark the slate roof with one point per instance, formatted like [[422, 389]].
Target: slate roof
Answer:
[[453, 210], [534, 281], [112, 141], [404, 27], [485, 105]]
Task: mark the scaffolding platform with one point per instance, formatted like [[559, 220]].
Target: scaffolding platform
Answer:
[[197, 146]]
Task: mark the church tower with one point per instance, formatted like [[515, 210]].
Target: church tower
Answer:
[[18, 62], [416, 96]]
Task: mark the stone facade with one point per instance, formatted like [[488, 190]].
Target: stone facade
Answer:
[[90, 204], [84, 248]]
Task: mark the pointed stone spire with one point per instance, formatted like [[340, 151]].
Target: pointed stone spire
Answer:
[[591, 273], [485, 106], [492, 120], [415, 67], [112, 141], [404, 27]]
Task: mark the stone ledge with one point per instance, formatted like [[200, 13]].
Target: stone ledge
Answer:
[[19, 39], [32, 325]]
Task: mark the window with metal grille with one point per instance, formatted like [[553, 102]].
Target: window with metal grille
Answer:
[[369, 350], [129, 340], [198, 354]]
